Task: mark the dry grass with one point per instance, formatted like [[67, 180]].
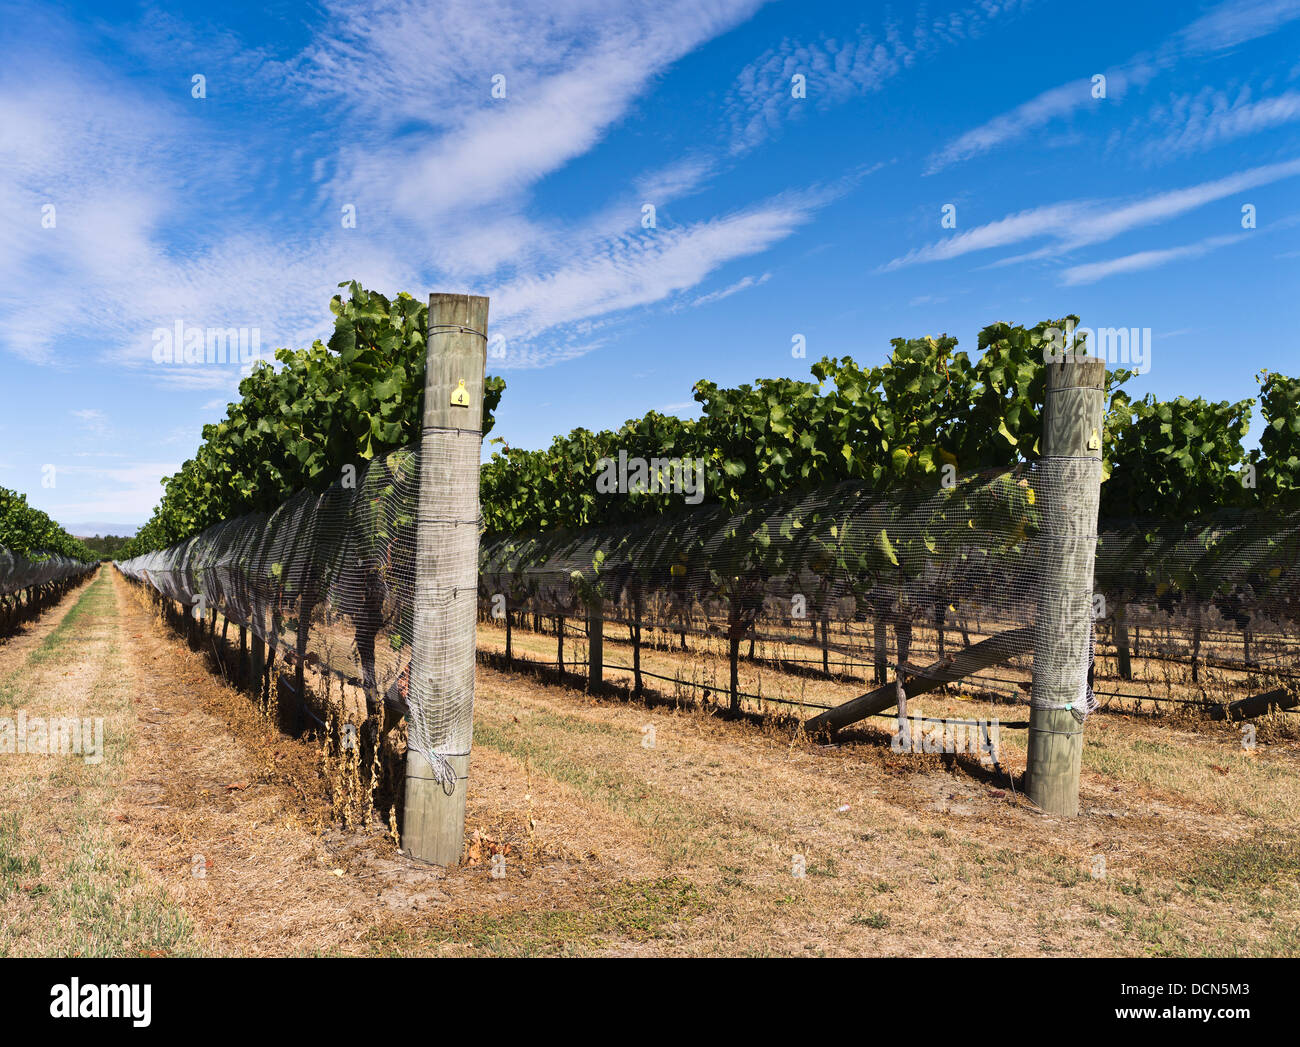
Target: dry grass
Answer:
[[65, 887], [928, 858], [684, 848]]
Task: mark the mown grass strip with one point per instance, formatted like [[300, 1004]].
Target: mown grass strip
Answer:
[[631, 911], [66, 888]]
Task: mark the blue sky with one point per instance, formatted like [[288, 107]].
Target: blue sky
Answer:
[[774, 215]]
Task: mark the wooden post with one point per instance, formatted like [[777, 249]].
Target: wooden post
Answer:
[[1120, 630], [1196, 640], [446, 567], [258, 666], [595, 647], [636, 644], [903, 648], [880, 640], [271, 691], [966, 662], [298, 711], [1071, 465]]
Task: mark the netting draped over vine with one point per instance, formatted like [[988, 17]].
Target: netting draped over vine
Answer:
[[18, 572], [969, 559], [327, 578], [946, 571], [1189, 587], [952, 572], [330, 579]]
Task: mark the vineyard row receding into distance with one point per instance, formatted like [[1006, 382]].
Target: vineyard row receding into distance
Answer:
[[39, 561]]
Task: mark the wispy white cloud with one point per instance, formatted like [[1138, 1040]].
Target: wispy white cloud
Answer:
[[129, 491], [1232, 23], [1091, 272], [742, 284], [926, 299], [638, 270], [93, 421], [1235, 22], [1036, 113], [572, 72], [106, 162], [1209, 118], [1075, 224], [441, 173], [1015, 228], [835, 71]]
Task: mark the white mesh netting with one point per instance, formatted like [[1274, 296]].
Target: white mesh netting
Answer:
[[329, 579]]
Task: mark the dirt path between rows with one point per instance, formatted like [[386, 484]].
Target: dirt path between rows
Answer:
[[17, 647]]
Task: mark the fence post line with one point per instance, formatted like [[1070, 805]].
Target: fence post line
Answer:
[[1071, 453], [446, 565]]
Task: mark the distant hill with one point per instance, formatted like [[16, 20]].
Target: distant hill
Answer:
[[91, 528]]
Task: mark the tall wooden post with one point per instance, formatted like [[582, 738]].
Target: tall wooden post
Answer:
[[446, 577], [1070, 463]]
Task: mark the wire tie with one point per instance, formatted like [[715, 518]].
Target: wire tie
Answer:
[[449, 328]]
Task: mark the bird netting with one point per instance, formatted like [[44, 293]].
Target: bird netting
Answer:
[[330, 580], [1195, 591], [19, 572], [961, 576], [976, 559]]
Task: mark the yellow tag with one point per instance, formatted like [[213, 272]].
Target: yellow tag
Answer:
[[679, 570], [460, 395], [1094, 441]]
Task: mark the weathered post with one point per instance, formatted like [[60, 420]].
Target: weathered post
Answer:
[[446, 580], [1069, 491], [636, 641], [258, 666], [595, 645], [1120, 630], [880, 640]]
